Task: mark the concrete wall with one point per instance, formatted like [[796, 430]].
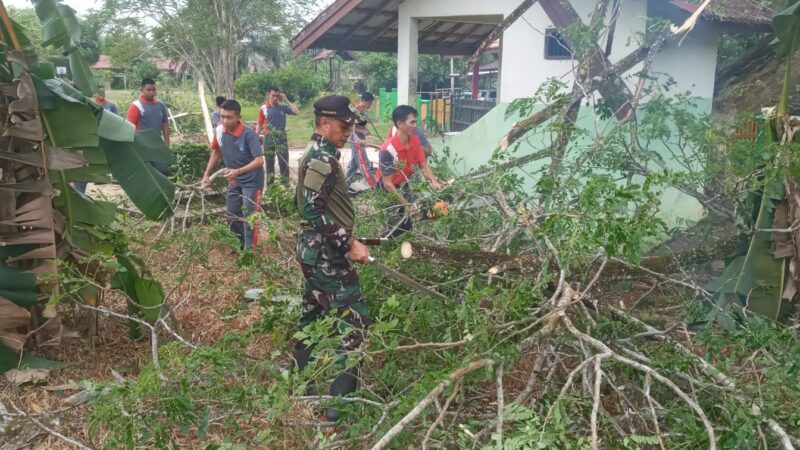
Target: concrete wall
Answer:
[[476, 146], [523, 67]]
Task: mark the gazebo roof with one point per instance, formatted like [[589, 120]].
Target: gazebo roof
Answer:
[[371, 25]]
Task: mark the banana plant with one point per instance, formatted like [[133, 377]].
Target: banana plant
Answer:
[[762, 280], [51, 135], [786, 27]]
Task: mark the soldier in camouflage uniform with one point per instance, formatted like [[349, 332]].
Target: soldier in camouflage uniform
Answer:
[[326, 248]]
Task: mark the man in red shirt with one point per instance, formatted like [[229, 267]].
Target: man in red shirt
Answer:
[[147, 113], [399, 156]]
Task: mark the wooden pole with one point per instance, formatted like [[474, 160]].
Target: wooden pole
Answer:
[[201, 91], [476, 78], [9, 26]]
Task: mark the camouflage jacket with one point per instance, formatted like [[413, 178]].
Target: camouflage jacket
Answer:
[[322, 194]]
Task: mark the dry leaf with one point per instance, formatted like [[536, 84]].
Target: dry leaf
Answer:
[[23, 376]]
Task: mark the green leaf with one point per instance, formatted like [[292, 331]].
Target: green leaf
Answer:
[[60, 27], [81, 72], [115, 128], [150, 145], [148, 189], [82, 239], [94, 155], [20, 298], [9, 359], [786, 27], [14, 279], [44, 70], [65, 91], [144, 291], [95, 173], [78, 209], [71, 125]]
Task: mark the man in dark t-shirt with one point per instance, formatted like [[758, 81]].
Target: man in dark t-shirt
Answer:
[[238, 146], [272, 125]]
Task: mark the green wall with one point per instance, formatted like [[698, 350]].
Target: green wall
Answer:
[[476, 145]]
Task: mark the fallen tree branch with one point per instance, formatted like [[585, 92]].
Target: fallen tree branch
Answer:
[[47, 429], [522, 127], [428, 399], [497, 33], [600, 346], [441, 415]]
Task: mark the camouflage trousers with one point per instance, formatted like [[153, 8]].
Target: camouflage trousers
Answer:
[[331, 287]]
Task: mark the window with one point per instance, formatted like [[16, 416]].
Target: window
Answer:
[[555, 46]]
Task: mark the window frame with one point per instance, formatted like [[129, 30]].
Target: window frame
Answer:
[[553, 37]]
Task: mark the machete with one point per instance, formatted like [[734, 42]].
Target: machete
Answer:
[[408, 281]]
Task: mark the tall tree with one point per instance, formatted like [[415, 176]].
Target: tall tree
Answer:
[[212, 35]]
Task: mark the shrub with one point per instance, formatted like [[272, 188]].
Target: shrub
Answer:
[[296, 80], [190, 161]]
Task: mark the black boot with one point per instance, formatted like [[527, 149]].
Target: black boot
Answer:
[[344, 383], [301, 355]]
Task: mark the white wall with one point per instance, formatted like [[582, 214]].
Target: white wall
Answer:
[[693, 64], [523, 67]]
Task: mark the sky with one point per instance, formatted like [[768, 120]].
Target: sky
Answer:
[[81, 6]]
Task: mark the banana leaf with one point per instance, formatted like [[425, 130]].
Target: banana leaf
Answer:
[[95, 173], [115, 128], [142, 290], [62, 30], [786, 27], [9, 359], [80, 210], [71, 125], [147, 188]]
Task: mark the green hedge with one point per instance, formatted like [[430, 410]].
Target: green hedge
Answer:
[[297, 81]]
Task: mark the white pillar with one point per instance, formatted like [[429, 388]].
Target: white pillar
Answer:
[[407, 58]]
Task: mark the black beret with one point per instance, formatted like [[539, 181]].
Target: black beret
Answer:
[[339, 107]]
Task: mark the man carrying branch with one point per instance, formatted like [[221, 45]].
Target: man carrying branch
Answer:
[[399, 156], [238, 146], [326, 248]]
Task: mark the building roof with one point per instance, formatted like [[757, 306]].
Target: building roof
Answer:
[[743, 12], [328, 54], [168, 65], [162, 64], [371, 25], [103, 62]]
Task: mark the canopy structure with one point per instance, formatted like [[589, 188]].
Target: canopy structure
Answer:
[[372, 25]]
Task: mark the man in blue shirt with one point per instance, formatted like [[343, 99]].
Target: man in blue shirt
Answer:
[[219, 100], [238, 146], [272, 125], [102, 101]]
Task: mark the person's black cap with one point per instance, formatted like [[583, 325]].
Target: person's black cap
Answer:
[[338, 107]]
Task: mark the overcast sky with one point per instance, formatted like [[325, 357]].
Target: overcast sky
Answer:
[[78, 5]]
